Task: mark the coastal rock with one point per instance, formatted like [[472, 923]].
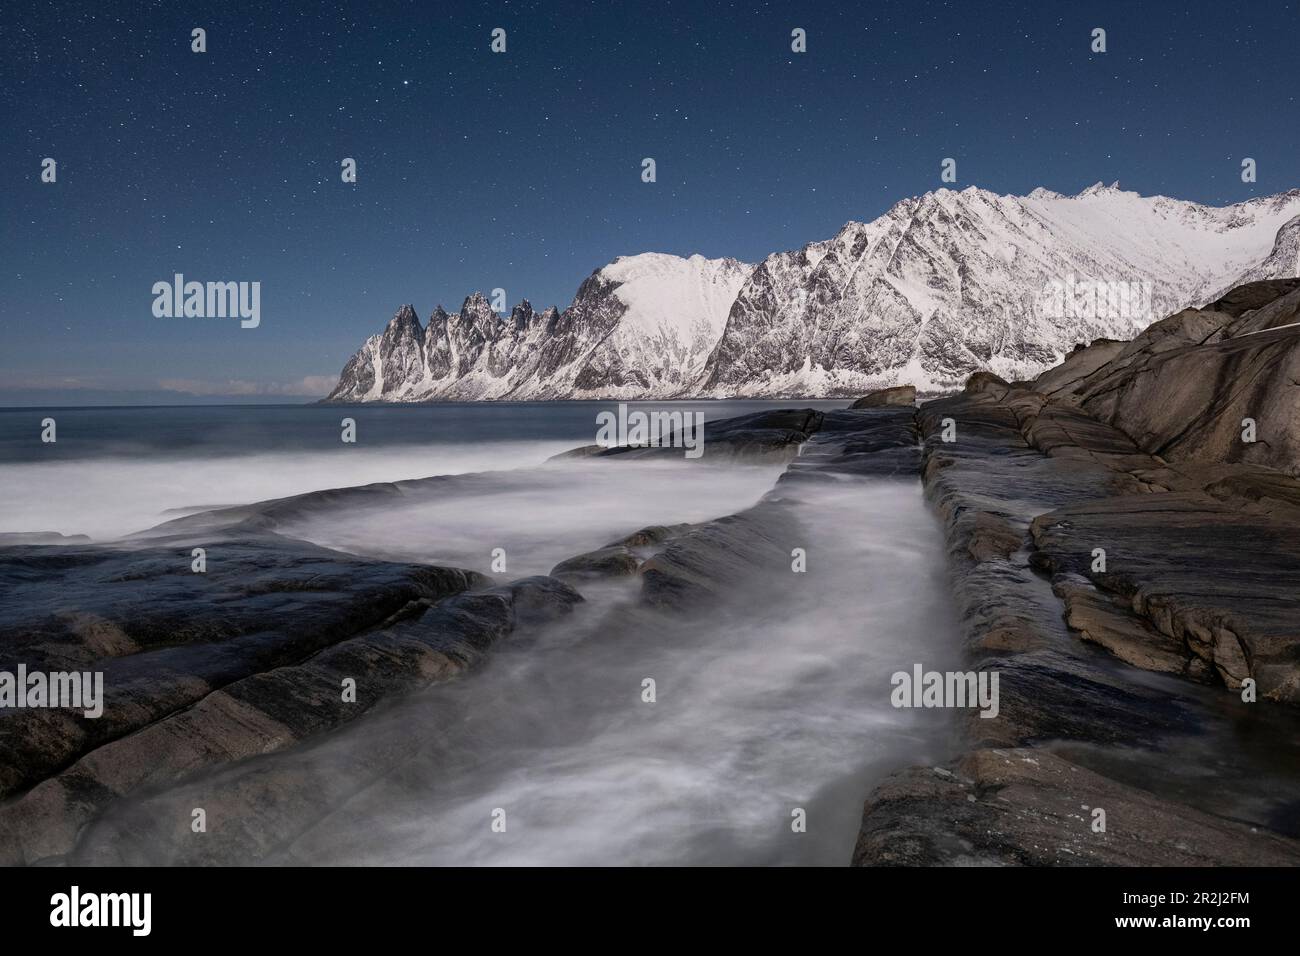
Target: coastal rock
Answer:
[[650, 537], [762, 436], [202, 669], [12, 538], [880, 442], [1204, 574], [982, 382], [1029, 807], [164, 637], [1095, 510], [1189, 388], [717, 559], [603, 563], [269, 810], [1104, 619], [993, 537], [896, 395]]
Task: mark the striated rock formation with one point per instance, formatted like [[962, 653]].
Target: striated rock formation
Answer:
[[1169, 543], [204, 669], [1185, 388], [1027, 807]]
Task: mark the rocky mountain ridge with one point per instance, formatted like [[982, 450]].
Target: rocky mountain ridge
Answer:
[[940, 286]]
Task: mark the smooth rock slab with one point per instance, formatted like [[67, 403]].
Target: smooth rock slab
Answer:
[[424, 642], [1223, 581], [164, 636], [1029, 807]]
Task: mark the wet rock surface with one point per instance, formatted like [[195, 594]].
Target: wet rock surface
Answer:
[[613, 561], [164, 636], [709, 561], [618, 558], [1029, 807], [1125, 568], [875, 442], [275, 641], [763, 436]]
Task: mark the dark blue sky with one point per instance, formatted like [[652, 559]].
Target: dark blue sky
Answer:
[[522, 170]]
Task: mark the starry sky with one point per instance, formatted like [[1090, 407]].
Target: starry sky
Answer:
[[522, 170]]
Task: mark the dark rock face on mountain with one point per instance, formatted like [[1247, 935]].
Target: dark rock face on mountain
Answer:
[[1168, 546], [455, 356], [938, 287]]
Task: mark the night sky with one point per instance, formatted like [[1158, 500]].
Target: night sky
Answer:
[[522, 170]]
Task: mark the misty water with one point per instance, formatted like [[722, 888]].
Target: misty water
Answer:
[[115, 471], [778, 701], [774, 701]]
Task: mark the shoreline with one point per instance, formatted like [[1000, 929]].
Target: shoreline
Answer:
[[1157, 686]]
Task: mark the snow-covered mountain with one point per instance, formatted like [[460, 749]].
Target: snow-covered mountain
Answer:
[[642, 325], [940, 286]]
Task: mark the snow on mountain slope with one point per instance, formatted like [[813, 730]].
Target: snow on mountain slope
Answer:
[[675, 310], [1282, 262], [951, 282], [939, 286], [641, 326]]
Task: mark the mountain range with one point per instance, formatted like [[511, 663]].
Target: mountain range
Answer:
[[940, 286]]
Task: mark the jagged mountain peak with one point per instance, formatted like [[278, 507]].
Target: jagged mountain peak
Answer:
[[1100, 189], [405, 317], [651, 265], [938, 286], [955, 281], [475, 302]]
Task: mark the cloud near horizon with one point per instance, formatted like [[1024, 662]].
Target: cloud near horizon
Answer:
[[313, 386]]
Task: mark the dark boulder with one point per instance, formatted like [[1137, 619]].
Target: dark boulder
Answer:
[[897, 395]]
